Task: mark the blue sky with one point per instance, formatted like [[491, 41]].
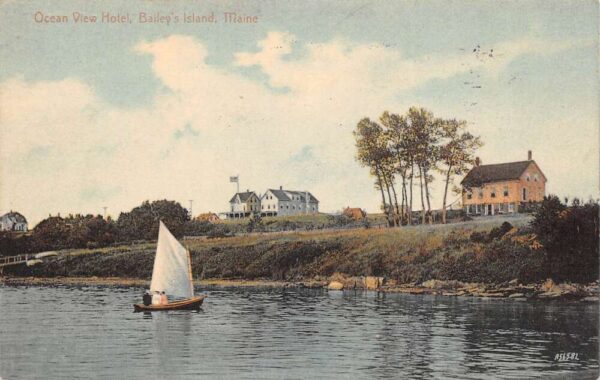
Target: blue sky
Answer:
[[110, 115]]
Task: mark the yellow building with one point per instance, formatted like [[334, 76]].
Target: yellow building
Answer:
[[501, 188]]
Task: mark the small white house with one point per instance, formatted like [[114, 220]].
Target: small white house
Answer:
[[288, 202], [13, 221], [242, 205]]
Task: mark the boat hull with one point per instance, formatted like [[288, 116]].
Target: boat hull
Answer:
[[193, 303]]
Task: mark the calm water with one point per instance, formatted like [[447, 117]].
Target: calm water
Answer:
[[91, 332]]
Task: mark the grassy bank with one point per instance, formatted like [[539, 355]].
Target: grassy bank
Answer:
[[462, 251]]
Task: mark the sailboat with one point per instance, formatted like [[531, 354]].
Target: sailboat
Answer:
[[172, 274]]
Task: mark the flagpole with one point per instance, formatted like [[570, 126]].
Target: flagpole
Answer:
[[238, 183]]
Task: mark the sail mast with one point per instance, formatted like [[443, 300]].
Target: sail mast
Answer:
[[190, 272]]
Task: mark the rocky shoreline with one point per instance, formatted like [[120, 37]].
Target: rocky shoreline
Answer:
[[547, 290]]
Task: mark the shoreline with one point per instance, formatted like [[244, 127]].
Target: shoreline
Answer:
[[519, 292]]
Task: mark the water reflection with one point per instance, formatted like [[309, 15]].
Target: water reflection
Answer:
[[260, 333]]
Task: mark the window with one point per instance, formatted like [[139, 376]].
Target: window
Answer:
[[493, 193], [524, 194], [528, 177], [480, 193], [506, 191], [469, 195], [511, 207], [535, 177]]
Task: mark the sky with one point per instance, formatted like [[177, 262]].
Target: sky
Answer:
[[111, 114]]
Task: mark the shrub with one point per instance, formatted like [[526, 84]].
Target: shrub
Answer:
[[570, 238]]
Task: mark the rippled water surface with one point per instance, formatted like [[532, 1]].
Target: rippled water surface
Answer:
[[92, 332]]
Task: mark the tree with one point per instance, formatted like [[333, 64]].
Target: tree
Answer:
[[372, 153], [396, 130], [569, 236], [456, 153], [141, 223], [424, 131], [404, 145]]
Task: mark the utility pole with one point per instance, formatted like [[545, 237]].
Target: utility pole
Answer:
[[104, 211], [191, 214]]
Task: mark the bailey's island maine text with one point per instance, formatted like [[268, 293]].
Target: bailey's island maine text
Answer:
[[280, 189]]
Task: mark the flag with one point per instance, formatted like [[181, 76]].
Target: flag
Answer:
[[234, 179]]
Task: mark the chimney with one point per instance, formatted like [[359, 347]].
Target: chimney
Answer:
[[247, 190], [529, 155], [477, 161], [306, 199], [280, 187]]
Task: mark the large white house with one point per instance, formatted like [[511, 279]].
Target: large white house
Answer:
[[272, 203], [288, 202], [13, 221]]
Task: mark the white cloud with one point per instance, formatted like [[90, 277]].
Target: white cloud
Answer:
[[64, 149]]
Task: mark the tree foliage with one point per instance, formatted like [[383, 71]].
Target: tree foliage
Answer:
[[412, 147], [569, 235], [141, 223]]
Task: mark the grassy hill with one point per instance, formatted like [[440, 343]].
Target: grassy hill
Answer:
[[462, 251]]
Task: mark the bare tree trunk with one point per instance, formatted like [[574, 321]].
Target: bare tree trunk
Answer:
[[422, 200], [410, 204], [390, 209], [404, 200], [396, 221], [445, 195], [430, 216]]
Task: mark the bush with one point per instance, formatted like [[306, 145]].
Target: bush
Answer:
[[570, 238], [498, 232]]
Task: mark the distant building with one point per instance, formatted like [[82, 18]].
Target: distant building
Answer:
[[288, 202], [242, 205], [13, 221], [500, 188], [210, 217], [354, 213]]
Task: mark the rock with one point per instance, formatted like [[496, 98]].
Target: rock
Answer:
[[548, 285], [513, 282], [492, 295], [517, 295], [335, 285], [549, 295], [372, 282], [440, 284], [590, 299]]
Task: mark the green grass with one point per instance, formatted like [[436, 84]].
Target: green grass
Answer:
[[406, 254]]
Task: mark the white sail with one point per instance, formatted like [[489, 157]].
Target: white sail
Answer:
[[172, 267]]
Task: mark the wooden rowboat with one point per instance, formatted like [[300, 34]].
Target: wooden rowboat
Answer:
[[188, 304]]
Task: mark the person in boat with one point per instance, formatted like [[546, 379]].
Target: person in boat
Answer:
[[147, 298], [156, 298], [163, 298]]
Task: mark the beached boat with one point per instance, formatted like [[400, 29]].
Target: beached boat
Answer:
[[172, 274]]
